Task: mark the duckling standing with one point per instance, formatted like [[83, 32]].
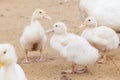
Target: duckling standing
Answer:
[[10, 70], [101, 37], [73, 47], [33, 37]]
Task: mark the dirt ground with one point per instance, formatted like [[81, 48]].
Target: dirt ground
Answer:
[[16, 14]]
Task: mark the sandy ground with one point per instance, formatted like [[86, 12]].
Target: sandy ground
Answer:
[[16, 14]]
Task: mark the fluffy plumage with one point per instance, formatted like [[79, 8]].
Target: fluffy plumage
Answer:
[[33, 34], [72, 47], [107, 15], [101, 37], [10, 69], [33, 37]]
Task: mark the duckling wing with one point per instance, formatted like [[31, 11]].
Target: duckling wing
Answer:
[[109, 35], [103, 35], [60, 42], [81, 52]]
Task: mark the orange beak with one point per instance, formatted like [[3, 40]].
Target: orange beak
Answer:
[[83, 25], [47, 17], [1, 64], [49, 31]]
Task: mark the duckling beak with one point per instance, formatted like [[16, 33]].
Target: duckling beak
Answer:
[[47, 17], [1, 64], [49, 31], [83, 25]]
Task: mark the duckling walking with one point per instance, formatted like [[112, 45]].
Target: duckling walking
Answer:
[[74, 48]]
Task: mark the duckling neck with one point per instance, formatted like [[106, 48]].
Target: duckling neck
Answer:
[[7, 66], [62, 34], [34, 20], [90, 28]]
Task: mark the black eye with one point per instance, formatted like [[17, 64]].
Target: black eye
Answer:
[[40, 12], [89, 20], [4, 52], [56, 26]]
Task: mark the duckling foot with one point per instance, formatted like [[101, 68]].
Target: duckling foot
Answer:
[[67, 72], [82, 70], [26, 61], [101, 61], [40, 60]]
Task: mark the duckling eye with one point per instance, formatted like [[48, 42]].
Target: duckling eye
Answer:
[[89, 20], [56, 25], [40, 12], [4, 52]]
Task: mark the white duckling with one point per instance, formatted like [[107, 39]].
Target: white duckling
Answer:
[[101, 37], [74, 48], [106, 12], [10, 70], [33, 37]]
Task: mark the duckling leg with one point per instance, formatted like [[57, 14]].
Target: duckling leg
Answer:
[[73, 67], [40, 59], [72, 71], [103, 60], [26, 58]]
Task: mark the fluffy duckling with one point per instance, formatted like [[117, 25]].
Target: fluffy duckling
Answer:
[[101, 37], [33, 37], [74, 48], [10, 70]]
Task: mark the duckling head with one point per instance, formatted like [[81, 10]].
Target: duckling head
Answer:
[[7, 54], [40, 14], [89, 22], [58, 28]]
